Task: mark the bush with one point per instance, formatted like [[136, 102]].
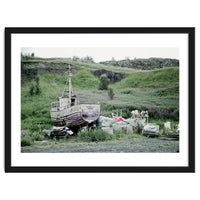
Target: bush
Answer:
[[35, 89], [104, 81], [31, 90], [94, 136], [111, 93], [25, 140], [28, 139]]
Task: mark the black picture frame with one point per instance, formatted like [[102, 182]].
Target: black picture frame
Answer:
[[190, 31]]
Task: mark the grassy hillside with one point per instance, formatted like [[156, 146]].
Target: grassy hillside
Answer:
[[82, 80], [80, 65], [157, 78], [156, 91], [85, 80]]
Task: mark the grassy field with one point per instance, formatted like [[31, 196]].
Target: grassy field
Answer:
[[156, 91]]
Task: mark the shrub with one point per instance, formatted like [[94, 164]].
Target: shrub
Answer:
[[37, 87], [102, 135], [31, 90], [110, 93], [104, 81], [25, 140], [94, 136]]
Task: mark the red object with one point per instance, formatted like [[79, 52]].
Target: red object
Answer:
[[118, 118]]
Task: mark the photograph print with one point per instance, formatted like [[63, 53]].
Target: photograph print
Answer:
[[100, 99], [113, 100]]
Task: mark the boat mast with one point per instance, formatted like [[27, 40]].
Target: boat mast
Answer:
[[70, 85]]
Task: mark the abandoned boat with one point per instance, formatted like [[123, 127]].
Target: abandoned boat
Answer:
[[68, 112]]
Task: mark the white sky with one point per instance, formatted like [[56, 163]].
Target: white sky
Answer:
[[104, 53]]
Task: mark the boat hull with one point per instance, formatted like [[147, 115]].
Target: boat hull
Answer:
[[79, 115]]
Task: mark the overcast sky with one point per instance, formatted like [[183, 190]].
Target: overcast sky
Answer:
[[102, 54]]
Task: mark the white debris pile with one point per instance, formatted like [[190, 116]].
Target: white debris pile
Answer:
[[119, 124], [106, 121], [167, 125], [136, 121], [168, 131], [151, 130], [108, 130], [177, 128]]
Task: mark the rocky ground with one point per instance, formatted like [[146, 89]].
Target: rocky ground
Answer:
[[133, 145]]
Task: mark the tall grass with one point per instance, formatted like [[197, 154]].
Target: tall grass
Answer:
[[29, 138], [94, 136]]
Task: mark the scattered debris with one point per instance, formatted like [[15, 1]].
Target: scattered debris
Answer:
[[167, 125], [108, 130], [151, 130], [57, 132], [143, 114], [171, 132], [120, 124], [177, 128], [118, 118]]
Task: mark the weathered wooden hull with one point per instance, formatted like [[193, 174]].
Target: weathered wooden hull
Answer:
[[78, 115]]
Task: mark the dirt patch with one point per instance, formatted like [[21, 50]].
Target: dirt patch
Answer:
[[133, 145]]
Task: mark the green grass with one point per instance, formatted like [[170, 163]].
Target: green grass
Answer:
[[155, 79], [36, 108], [29, 138], [85, 80], [82, 80], [139, 99], [26, 140], [94, 136], [157, 89]]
